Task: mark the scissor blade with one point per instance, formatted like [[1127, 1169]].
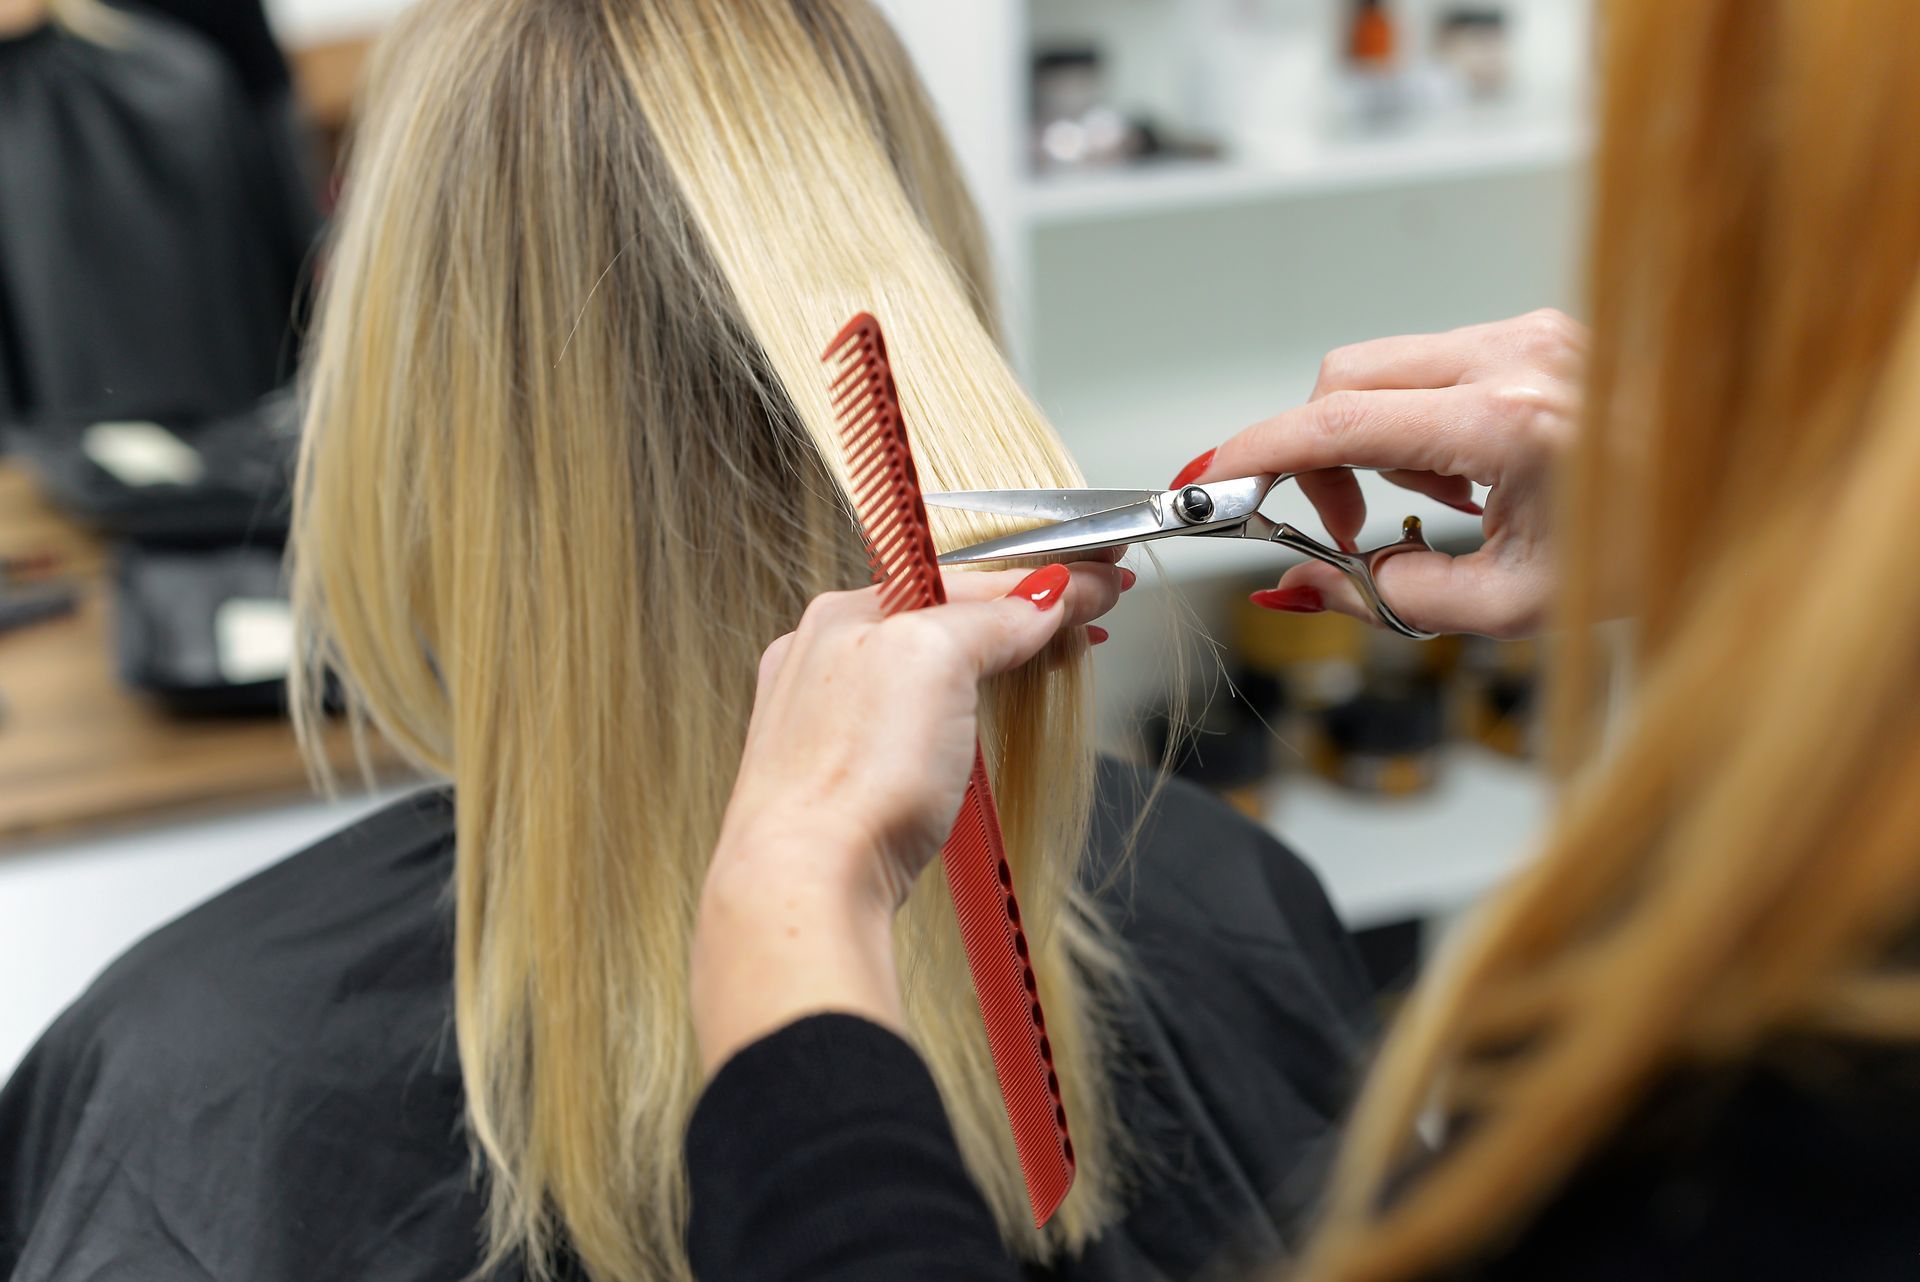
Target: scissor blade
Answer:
[[1129, 524], [1039, 505]]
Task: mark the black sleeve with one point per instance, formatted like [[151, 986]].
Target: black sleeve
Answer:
[[821, 1153]]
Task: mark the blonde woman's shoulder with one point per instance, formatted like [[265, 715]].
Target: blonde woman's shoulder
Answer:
[[265, 1087]]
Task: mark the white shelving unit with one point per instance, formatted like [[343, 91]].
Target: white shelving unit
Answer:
[[1160, 308]]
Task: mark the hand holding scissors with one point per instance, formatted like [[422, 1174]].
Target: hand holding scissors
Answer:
[[1085, 521], [1492, 405]]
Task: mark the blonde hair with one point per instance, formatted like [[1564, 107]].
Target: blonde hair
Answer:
[[88, 18], [569, 465], [1738, 866]]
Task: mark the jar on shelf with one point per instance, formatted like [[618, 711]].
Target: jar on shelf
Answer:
[[1225, 748], [1315, 658], [1498, 686], [1074, 126], [1471, 44], [1385, 740]]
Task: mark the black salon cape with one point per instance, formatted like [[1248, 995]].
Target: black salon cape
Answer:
[[240, 32], [152, 230], [267, 1090]]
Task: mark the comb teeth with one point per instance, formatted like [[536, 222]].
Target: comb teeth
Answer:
[[886, 494], [881, 476]]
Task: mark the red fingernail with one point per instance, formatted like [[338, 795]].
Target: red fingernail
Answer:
[[1469, 507], [1046, 587], [1192, 470], [1096, 634], [1348, 545], [1127, 578], [1295, 600], [40, 561]]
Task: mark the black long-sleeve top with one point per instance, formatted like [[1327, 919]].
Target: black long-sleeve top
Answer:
[[821, 1154]]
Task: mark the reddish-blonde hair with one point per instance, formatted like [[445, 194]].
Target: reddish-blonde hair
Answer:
[[1732, 865]]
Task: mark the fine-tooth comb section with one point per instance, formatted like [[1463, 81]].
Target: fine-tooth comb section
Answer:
[[886, 494]]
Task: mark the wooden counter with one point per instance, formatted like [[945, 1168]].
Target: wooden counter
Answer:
[[327, 77], [76, 749]]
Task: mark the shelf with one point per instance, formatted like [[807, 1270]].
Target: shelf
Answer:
[[1465, 150], [1387, 860]]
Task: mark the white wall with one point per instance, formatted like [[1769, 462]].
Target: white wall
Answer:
[[67, 908], [305, 21]]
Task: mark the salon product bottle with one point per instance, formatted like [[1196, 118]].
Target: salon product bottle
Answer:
[[1471, 46], [1221, 68], [1375, 95], [1372, 43], [1289, 63], [1385, 741], [1074, 126], [1258, 75], [1316, 658], [1497, 686]]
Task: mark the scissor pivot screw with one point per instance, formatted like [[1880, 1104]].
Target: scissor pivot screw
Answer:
[[1194, 505]]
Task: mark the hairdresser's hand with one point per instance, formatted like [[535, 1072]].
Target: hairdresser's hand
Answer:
[[1490, 404], [856, 759]]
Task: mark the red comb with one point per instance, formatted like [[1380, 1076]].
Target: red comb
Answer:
[[886, 493]]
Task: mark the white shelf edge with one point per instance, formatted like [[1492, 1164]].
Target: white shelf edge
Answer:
[[1462, 154], [1384, 860]]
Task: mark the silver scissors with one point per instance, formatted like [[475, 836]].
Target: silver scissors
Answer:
[[1087, 520]]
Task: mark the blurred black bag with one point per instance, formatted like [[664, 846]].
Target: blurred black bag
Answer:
[[203, 631], [170, 480]]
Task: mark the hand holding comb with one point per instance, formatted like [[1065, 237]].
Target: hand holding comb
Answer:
[[886, 495]]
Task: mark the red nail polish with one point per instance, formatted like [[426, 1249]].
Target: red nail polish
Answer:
[[1046, 587], [1096, 634], [1127, 578], [1302, 600], [1348, 546], [1469, 507], [1192, 470]]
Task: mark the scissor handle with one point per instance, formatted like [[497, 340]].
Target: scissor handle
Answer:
[[1360, 566]]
